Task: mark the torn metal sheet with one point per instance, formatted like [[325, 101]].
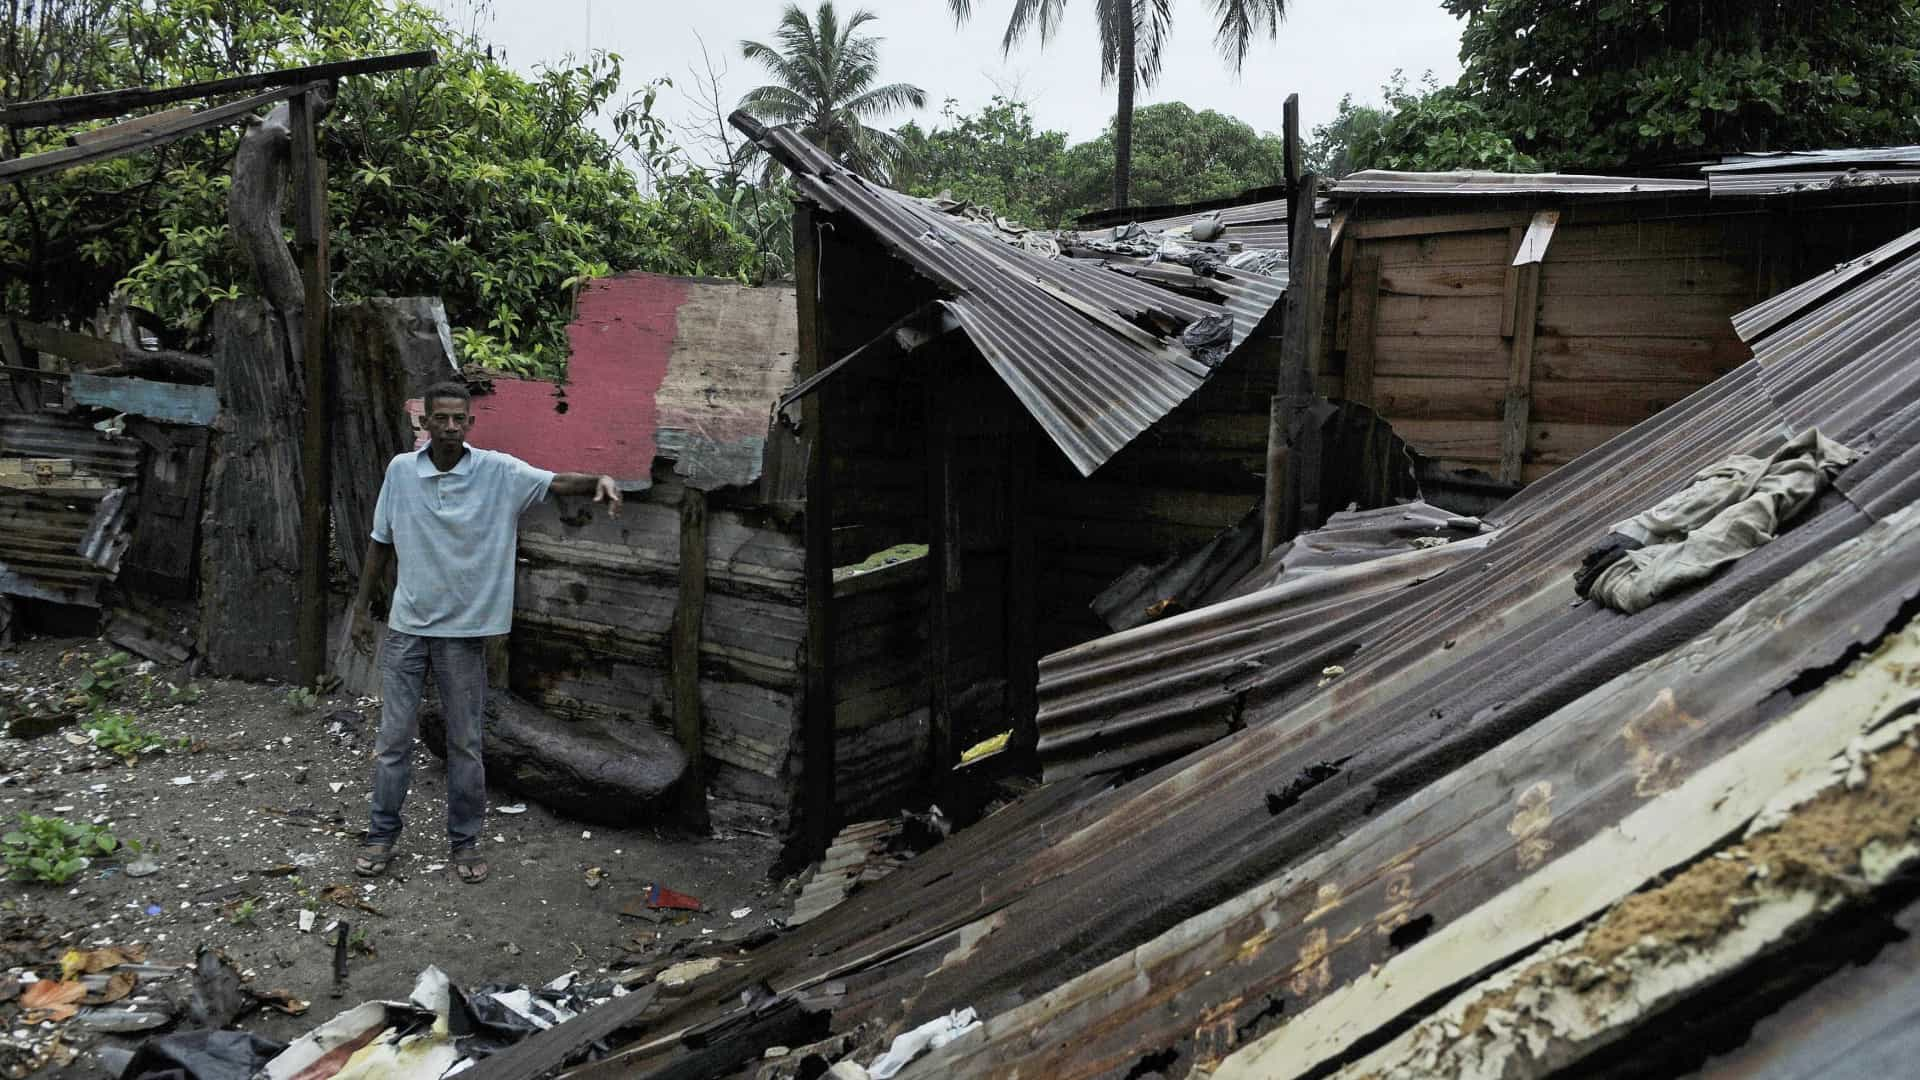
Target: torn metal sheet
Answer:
[[171, 403], [1413, 184], [1093, 355], [61, 542]]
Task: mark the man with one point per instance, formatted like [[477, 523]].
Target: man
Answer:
[[450, 514]]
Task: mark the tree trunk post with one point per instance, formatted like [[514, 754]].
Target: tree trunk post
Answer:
[[310, 241], [1123, 117]]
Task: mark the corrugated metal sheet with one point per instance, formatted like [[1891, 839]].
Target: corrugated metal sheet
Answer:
[[1252, 225], [1761, 319], [1792, 172], [1093, 355], [62, 544], [1279, 864], [1421, 184]]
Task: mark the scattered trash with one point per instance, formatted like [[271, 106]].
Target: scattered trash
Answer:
[[306, 921], [154, 909], [658, 898], [1330, 673], [203, 1055], [516, 808], [219, 998], [985, 748], [181, 781], [143, 866], [740, 912], [931, 1035], [51, 999], [688, 970], [595, 876], [336, 786]]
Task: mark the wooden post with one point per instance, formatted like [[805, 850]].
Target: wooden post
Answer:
[[819, 807], [310, 242], [1365, 295], [1519, 403], [943, 557], [688, 617], [1023, 601], [1290, 119], [1299, 339]]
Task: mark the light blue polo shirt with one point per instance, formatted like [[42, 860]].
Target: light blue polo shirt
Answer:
[[454, 535]]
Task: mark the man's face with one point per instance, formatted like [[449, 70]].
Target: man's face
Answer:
[[448, 421]]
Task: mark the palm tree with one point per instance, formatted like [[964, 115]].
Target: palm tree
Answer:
[[1132, 34], [824, 76]]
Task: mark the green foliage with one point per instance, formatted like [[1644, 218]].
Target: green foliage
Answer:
[[303, 699], [53, 849], [1430, 128], [1613, 82], [1132, 43], [121, 735], [465, 180], [1179, 155], [996, 158], [823, 84], [993, 157], [101, 680]]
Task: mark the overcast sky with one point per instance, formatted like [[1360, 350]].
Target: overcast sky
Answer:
[[1325, 48]]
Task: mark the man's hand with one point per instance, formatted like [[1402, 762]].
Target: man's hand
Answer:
[[605, 490]]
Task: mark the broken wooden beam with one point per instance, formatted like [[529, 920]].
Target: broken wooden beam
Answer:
[[68, 157], [109, 103]]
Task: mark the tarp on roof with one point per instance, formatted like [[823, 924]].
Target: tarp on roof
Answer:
[[1094, 355]]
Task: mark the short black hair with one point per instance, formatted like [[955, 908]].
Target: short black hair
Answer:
[[440, 390]]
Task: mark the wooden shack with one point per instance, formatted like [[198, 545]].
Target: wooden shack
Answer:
[[1506, 324]]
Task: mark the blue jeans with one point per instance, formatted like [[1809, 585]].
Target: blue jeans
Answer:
[[460, 670]]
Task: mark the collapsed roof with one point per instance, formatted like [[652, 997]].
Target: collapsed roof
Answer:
[[1480, 766], [1097, 348]]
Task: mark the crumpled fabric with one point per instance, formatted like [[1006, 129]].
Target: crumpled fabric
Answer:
[[1731, 508], [931, 1035]]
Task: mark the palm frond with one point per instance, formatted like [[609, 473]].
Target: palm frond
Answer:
[[1027, 13], [1240, 20], [885, 99]]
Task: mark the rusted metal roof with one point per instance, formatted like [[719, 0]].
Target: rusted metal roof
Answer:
[[1164, 922], [62, 543], [1165, 688], [1424, 184], [1092, 354]]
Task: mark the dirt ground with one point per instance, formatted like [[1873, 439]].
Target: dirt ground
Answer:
[[255, 820]]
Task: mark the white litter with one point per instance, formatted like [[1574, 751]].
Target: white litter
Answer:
[[741, 912], [931, 1035], [516, 808]]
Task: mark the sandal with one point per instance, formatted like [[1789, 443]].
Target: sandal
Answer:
[[373, 859], [470, 868]]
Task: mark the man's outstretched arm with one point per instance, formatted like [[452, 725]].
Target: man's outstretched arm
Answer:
[[602, 488]]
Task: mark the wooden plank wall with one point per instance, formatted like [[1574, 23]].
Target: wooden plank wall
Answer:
[[593, 616], [880, 688], [1183, 481], [1631, 317]]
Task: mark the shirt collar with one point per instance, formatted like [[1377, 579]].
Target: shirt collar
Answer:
[[423, 462]]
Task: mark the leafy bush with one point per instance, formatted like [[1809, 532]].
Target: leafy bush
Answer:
[[102, 679], [120, 735], [465, 180], [53, 849]]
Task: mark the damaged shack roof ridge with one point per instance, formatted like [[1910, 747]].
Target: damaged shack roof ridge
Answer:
[[1090, 348]]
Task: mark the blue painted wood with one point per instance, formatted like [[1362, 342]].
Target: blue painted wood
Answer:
[[167, 402]]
